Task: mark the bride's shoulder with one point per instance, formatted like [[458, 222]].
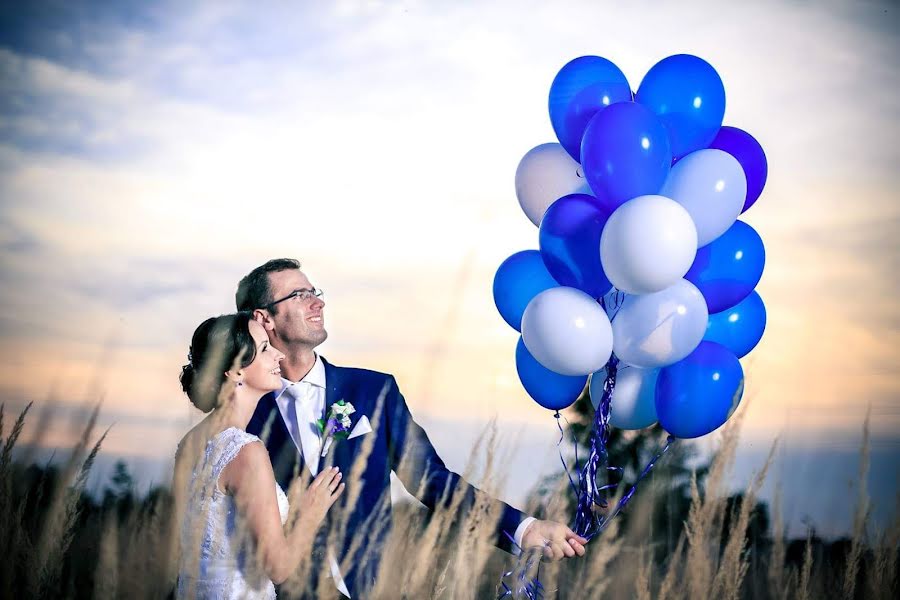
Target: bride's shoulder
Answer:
[[249, 451], [249, 464]]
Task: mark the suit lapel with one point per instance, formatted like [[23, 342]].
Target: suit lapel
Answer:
[[269, 425], [333, 384], [335, 390]]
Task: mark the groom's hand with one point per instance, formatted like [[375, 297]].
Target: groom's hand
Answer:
[[556, 539]]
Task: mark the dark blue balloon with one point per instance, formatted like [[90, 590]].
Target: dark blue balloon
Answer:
[[740, 327], [625, 153], [696, 395], [727, 269], [550, 390], [689, 97], [581, 88], [749, 153], [520, 278], [570, 243]]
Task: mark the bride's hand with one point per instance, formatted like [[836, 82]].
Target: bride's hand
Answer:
[[313, 502]]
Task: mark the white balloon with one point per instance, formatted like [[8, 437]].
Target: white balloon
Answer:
[[712, 186], [567, 331], [655, 330], [647, 244], [633, 402], [546, 174]]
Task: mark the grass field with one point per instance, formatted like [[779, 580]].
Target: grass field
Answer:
[[59, 542]]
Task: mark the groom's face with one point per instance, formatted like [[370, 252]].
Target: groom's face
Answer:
[[295, 321]]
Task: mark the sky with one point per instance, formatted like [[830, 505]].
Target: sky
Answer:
[[151, 154]]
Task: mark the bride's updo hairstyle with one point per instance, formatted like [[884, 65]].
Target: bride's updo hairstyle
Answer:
[[219, 344]]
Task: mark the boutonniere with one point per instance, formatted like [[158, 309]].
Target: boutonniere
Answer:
[[336, 424]]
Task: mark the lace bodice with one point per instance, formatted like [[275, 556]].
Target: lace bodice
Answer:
[[216, 545]]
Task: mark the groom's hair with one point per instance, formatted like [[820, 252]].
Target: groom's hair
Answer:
[[253, 290]]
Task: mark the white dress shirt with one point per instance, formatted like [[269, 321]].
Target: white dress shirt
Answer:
[[302, 404]]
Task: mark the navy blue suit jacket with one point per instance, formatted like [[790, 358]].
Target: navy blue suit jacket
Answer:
[[397, 438]]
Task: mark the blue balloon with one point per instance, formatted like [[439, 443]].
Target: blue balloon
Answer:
[[726, 270], [689, 97], [583, 87], [520, 278], [740, 327], [625, 153], [750, 154], [570, 243], [547, 388], [696, 395]]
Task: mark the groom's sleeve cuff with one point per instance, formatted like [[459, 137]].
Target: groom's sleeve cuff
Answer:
[[520, 533]]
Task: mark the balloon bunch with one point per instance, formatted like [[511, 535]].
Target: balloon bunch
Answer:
[[643, 284]]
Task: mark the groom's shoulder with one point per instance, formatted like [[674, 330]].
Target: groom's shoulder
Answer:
[[362, 376]]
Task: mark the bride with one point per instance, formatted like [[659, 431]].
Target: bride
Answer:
[[239, 531]]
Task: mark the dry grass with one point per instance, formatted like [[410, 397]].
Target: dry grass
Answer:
[[12, 533], [882, 584], [642, 581], [860, 518], [448, 555], [777, 578], [704, 526], [59, 520], [803, 591]]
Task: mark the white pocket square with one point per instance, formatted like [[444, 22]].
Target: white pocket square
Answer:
[[362, 427]]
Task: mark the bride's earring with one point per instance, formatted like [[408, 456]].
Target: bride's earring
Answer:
[[240, 383]]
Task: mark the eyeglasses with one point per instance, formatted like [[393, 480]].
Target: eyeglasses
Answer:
[[301, 295]]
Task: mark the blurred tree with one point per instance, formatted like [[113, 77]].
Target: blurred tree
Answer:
[[120, 494]]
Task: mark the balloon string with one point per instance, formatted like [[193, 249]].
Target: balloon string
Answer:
[[524, 587], [625, 499], [587, 522], [617, 299], [559, 449]]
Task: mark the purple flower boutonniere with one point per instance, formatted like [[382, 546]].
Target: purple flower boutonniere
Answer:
[[336, 424]]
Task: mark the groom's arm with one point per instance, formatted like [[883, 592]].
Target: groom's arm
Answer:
[[424, 474]]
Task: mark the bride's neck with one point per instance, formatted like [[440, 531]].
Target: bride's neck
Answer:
[[239, 409]]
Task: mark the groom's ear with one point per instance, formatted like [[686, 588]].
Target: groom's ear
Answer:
[[263, 318]]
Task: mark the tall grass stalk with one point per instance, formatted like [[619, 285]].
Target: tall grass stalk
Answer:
[[704, 524], [671, 586], [860, 517], [883, 578], [734, 564], [12, 534], [642, 589], [59, 522], [597, 564], [107, 572], [776, 572], [803, 587]]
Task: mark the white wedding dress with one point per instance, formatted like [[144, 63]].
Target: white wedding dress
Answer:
[[225, 566]]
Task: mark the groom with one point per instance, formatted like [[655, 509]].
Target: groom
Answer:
[[283, 300]]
